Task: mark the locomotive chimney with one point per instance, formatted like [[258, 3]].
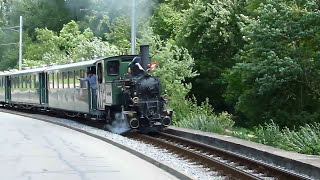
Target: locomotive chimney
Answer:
[[145, 56]]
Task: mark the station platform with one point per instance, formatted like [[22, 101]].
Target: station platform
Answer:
[[36, 150]]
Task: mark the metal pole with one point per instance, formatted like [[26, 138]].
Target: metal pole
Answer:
[[133, 28], [20, 45]]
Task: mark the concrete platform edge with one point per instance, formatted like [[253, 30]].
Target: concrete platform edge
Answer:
[[178, 174], [262, 154]]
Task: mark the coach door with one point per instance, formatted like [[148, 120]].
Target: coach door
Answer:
[[43, 88], [8, 88], [100, 86]]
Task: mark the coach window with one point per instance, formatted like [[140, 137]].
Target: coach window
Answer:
[[76, 77], [16, 82], [23, 81], [12, 83], [55, 81], [60, 80], [83, 84], [113, 68], [29, 81], [26, 82], [37, 82], [51, 83], [34, 81], [65, 80], [71, 79]]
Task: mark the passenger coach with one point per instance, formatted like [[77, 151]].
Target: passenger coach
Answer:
[[28, 88], [4, 97]]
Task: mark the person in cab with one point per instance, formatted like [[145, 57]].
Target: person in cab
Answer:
[[92, 79]]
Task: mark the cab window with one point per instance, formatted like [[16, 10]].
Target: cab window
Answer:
[[113, 68]]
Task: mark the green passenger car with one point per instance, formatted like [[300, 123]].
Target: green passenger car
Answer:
[[66, 92], [3, 87], [28, 87]]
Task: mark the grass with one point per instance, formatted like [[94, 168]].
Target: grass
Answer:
[[305, 139]]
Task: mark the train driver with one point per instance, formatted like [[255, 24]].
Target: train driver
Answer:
[[136, 67], [92, 79]]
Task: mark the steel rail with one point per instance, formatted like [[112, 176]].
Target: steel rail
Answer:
[[198, 157], [256, 166]]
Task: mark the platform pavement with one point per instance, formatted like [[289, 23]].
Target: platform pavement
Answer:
[[36, 150]]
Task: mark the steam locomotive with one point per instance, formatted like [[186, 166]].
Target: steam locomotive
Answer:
[[123, 88]]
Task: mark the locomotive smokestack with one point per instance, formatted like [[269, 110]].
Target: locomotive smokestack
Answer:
[[145, 56]]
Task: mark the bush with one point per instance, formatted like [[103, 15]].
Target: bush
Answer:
[[305, 140], [213, 123], [270, 134], [204, 119]]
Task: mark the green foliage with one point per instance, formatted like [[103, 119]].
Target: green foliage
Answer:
[[305, 140], [70, 45], [89, 48], [174, 66], [166, 21], [39, 14], [277, 74], [203, 118], [120, 33], [211, 33]]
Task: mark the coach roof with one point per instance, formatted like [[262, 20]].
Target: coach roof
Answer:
[[73, 65], [29, 71]]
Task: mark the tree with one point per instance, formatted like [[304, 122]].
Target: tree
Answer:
[[277, 75], [70, 45], [211, 33]]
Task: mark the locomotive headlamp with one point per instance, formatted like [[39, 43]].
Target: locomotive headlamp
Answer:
[[129, 70], [168, 112], [135, 100]]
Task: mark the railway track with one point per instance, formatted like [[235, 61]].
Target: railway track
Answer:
[[228, 164]]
